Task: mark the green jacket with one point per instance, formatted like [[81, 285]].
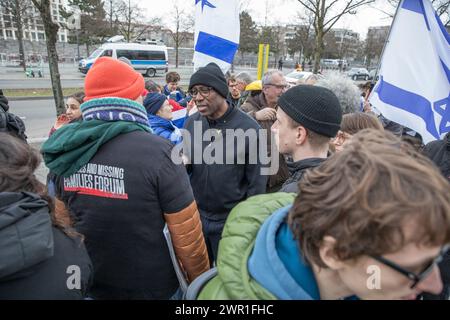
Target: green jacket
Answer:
[[238, 238]]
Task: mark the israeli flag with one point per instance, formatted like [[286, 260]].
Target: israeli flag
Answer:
[[217, 31], [414, 85]]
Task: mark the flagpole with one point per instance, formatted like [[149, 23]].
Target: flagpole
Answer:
[[387, 41]]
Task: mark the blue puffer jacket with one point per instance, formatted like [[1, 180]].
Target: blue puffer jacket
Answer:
[[165, 129]]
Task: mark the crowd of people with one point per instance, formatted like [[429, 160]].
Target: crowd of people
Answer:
[[133, 164]]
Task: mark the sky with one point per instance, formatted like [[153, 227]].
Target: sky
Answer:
[[280, 11]]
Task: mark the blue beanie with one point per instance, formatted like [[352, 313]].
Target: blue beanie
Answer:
[[153, 102]]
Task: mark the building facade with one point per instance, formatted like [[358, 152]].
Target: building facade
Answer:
[[33, 28]]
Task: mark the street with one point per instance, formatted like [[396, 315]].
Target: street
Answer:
[[38, 115]]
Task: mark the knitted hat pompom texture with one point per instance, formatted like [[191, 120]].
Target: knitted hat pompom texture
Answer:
[[316, 108], [212, 76], [110, 77]]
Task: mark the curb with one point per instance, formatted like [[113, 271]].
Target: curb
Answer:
[[30, 98]]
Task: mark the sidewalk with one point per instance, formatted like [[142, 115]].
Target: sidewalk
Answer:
[[42, 170]]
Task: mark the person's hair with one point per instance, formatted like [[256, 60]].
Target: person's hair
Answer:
[[355, 122], [172, 77], [345, 90], [316, 140], [18, 162], [244, 77], [152, 87], [78, 96], [268, 76], [366, 195], [231, 78]]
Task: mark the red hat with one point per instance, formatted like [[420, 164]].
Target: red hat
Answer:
[[109, 77]]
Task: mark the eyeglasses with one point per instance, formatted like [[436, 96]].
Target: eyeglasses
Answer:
[[278, 86], [416, 278], [204, 92]]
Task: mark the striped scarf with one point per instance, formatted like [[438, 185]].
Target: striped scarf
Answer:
[[114, 109]]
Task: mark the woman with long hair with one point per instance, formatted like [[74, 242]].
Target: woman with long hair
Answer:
[[41, 257]]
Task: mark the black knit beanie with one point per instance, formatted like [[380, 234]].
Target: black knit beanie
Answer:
[[316, 108], [211, 76]]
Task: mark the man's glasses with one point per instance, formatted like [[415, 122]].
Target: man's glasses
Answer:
[[416, 278], [278, 86], [204, 92]]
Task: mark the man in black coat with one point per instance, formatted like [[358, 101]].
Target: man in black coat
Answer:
[[223, 172]]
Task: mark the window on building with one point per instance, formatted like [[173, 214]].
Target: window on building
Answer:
[[41, 36], [63, 38], [9, 34]]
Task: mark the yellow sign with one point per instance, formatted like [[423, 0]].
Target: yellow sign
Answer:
[[263, 60]]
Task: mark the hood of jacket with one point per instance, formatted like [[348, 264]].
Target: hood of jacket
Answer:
[[157, 121], [26, 236], [266, 266], [233, 280]]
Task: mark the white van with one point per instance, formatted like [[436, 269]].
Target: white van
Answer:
[[145, 58]]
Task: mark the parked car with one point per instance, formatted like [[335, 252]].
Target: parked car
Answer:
[[358, 74], [294, 77]]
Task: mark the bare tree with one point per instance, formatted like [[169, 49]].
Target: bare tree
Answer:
[[326, 14], [303, 40], [20, 13], [51, 29], [183, 21], [113, 12], [131, 23]]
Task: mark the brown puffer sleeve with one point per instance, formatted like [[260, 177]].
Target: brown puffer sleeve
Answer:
[[187, 237]]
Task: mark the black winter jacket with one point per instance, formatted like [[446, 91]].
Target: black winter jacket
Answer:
[[439, 152], [37, 260], [218, 187], [297, 170]]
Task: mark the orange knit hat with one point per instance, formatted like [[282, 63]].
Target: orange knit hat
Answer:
[[109, 77]]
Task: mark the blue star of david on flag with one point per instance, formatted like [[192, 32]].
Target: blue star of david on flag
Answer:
[[217, 32], [414, 85], [204, 3]]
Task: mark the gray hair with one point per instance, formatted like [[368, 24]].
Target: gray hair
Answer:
[[244, 77], [345, 90], [268, 76]]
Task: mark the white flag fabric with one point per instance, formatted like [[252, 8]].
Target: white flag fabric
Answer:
[[414, 85], [217, 31]]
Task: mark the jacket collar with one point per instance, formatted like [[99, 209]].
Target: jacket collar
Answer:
[[226, 116], [265, 265], [304, 164]]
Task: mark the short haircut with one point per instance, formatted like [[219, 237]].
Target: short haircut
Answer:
[[268, 76], [172, 77], [244, 77], [231, 78], [364, 196], [355, 122], [152, 87]]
